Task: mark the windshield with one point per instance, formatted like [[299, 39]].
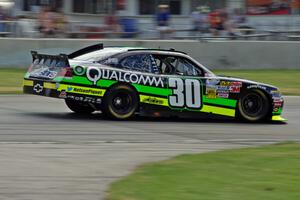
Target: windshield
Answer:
[[99, 55]]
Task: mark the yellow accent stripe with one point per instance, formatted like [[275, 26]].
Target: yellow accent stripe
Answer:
[[278, 118], [154, 100], [218, 110], [27, 83], [81, 90], [49, 85], [206, 108]]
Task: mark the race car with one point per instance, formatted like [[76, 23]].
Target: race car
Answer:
[[125, 81]]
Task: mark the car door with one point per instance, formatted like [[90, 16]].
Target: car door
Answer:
[[186, 82]]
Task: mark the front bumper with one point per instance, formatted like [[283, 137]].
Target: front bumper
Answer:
[[278, 118]]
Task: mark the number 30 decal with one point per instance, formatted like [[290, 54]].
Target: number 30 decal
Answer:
[[186, 93]]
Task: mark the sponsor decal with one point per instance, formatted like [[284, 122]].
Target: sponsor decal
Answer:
[[79, 70], [231, 86], [225, 83], [38, 88], [235, 89], [223, 94], [211, 93], [277, 102], [257, 86], [94, 74], [275, 94], [236, 84], [63, 94], [43, 73], [223, 88], [81, 90], [231, 83], [153, 100], [87, 91], [92, 100], [84, 91]]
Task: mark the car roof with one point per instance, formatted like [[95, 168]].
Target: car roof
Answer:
[[131, 49], [98, 53], [92, 53]]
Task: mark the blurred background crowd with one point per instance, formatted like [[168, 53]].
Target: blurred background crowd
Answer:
[[151, 19]]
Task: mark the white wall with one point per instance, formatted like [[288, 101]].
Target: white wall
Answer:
[[213, 54]]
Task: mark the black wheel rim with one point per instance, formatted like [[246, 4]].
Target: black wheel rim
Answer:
[[122, 103], [252, 104]]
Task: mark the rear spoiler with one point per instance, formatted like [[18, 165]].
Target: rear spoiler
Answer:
[[63, 58], [85, 50]]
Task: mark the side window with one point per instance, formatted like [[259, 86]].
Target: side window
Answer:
[[177, 65], [186, 68], [167, 64], [140, 62], [112, 61]]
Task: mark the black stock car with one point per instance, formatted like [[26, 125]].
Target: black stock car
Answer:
[[123, 81]]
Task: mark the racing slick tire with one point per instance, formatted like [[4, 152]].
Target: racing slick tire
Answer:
[[79, 107], [120, 102], [253, 106]]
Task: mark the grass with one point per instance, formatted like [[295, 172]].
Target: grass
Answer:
[[287, 80], [11, 81], [270, 172]]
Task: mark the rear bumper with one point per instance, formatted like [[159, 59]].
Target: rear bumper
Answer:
[[41, 88], [63, 91]]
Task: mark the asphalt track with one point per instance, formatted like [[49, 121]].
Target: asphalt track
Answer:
[[47, 152]]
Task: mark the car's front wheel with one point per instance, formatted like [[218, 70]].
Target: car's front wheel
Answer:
[[120, 102], [79, 107], [253, 106]]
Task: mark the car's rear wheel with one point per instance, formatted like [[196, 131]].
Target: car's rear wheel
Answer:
[[253, 106], [120, 102], [79, 107]]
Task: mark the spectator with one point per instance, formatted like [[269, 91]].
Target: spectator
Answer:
[[47, 22], [163, 21], [229, 25], [295, 6], [200, 19], [111, 22], [2, 18], [240, 21], [238, 17], [25, 27], [61, 23], [215, 22]]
